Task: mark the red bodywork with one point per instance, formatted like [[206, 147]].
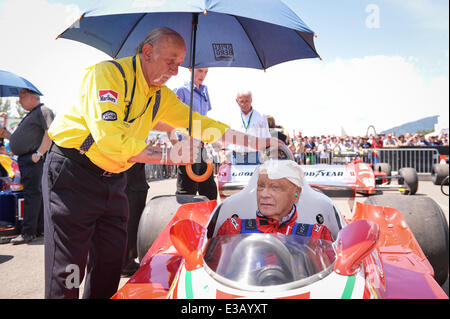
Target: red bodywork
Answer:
[[223, 177], [396, 264]]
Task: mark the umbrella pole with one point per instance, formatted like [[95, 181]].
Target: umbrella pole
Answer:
[[192, 63]]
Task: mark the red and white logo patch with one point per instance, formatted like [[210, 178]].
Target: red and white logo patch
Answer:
[[110, 96]]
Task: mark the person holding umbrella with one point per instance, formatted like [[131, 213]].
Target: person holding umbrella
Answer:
[[30, 142], [202, 104], [94, 143]]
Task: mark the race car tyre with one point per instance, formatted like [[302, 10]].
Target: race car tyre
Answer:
[[408, 178], [438, 173], [156, 215], [383, 167], [428, 224], [279, 152]]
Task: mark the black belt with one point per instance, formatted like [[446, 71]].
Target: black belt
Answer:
[[83, 160]]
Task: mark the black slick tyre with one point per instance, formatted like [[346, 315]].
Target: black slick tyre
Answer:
[[156, 215], [428, 224]]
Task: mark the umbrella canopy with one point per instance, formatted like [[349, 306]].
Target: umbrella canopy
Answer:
[[11, 84], [232, 33], [222, 33]]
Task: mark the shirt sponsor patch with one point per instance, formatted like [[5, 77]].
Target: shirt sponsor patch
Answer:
[[110, 96], [234, 223], [250, 224], [303, 230], [109, 116], [317, 228]]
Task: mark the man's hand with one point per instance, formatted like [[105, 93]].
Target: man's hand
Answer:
[[35, 157], [183, 153]]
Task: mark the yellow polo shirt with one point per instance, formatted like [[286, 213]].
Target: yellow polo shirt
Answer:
[[101, 111]]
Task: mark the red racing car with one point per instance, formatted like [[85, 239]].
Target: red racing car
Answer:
[[375, 254]]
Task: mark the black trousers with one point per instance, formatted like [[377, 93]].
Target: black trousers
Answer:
[[31, 178], [136, 191], [185, 185], [86, 218]]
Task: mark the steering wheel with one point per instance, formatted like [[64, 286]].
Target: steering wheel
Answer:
[[271, 275], [203, 177], [278, 152], [255, 245]]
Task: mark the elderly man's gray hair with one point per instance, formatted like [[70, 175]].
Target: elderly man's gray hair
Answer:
[[244, 92], [34, 94], [156, 35]]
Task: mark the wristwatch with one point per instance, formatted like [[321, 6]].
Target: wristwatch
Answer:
[[39, 153]]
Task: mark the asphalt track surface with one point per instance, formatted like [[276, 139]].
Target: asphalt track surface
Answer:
[[22, 266]]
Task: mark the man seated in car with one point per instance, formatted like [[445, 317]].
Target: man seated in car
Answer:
[[278, 189]]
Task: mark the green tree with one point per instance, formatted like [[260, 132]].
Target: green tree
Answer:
[[424, 131], [19, 110], [5, 106]]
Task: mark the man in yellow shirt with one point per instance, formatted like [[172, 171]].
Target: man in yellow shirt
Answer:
[[94, 142]]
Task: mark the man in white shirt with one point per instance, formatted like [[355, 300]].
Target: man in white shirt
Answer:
[[250, 122]]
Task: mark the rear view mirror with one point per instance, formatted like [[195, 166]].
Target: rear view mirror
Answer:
[[353, 244], [186, 236]]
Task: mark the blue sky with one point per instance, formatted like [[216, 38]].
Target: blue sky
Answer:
[[406, 28], [416, 28], [385, 63]]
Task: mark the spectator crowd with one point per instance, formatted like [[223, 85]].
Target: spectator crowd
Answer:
[[322, 146]]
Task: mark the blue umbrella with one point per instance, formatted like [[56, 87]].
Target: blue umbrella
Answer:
[[11, 84], [228, 33]]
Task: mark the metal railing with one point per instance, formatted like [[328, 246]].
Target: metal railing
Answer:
[[421, 159], [155, 172]]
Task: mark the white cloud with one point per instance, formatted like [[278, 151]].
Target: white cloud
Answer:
[[319, 97], [316, 97], [431, 14], [30, 49]]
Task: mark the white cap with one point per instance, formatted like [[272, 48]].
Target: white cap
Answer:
[[277, 169]]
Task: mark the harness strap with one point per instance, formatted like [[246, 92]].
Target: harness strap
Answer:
[[304, 230], [117, 64], [250, 226], [87, 143]]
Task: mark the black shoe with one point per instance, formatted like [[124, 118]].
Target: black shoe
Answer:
[[22, 239], [129, 268]]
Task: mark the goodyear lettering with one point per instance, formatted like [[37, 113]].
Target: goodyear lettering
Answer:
[[239, 174], [324, 173]]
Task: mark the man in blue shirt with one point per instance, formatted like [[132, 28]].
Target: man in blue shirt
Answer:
[[201, 104]]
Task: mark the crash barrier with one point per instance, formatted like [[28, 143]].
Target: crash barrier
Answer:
[[421, 159]]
